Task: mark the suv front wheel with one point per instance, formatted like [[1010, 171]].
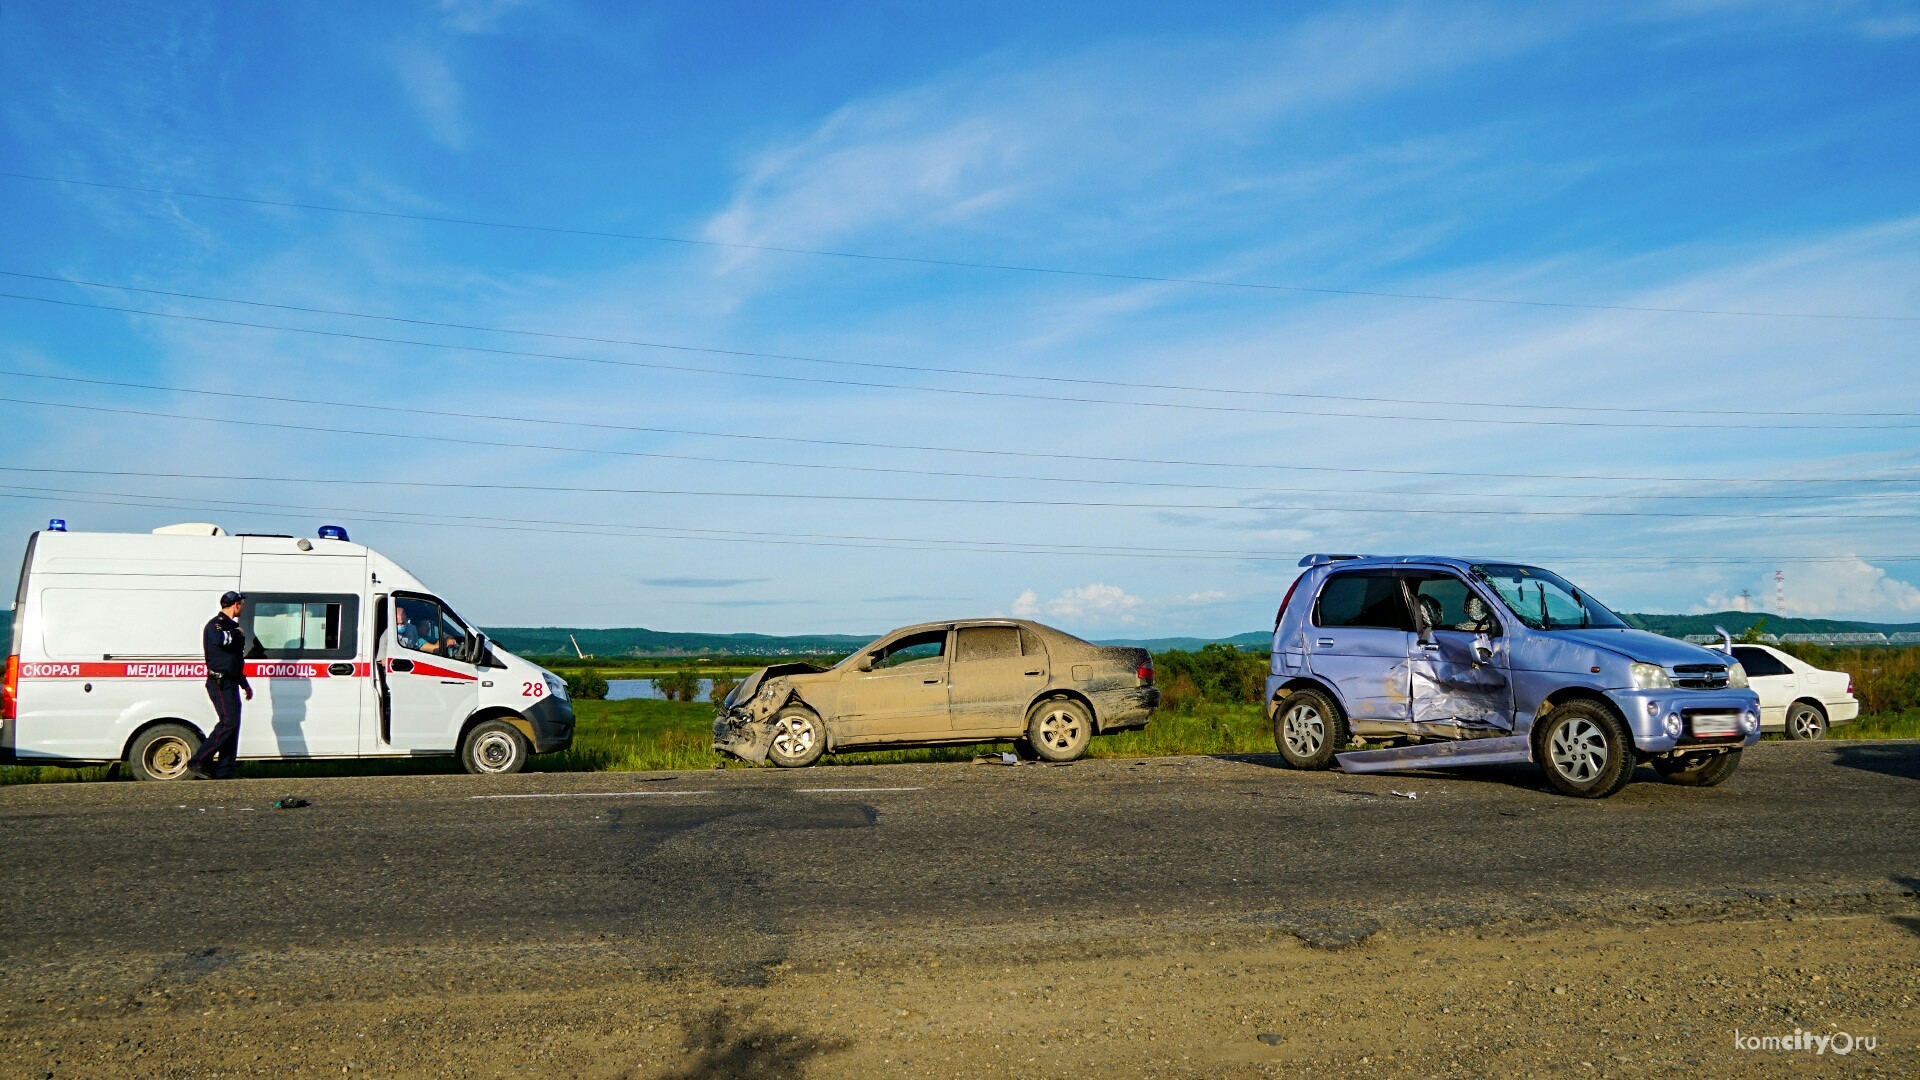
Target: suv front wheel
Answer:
[[1585, 750], [1308, 729]]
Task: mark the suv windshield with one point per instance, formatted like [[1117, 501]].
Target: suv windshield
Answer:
[[1543, 600]]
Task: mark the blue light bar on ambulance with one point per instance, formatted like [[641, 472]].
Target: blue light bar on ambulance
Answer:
[[57, 525], [333, 532]]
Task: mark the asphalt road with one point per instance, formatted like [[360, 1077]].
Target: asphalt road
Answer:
[[714, 856]]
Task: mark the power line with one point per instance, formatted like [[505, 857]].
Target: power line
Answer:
[[935, 370], [1162, 279], [954, 499], [629, 531], [898, 470], [1005, 394]]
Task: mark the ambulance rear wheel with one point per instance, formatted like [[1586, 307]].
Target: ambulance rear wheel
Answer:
[[162, 752], [494, 748]]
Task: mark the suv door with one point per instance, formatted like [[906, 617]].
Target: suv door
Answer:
[[904, 693], [993, 679], [1459, 672], [1359, 642], [432, 683]]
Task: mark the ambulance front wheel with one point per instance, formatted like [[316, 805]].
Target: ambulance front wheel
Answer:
[[162, 752], [494, 748]]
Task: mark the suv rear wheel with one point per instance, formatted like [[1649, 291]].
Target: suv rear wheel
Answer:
[[1698, 771], [1585, 750], [1308, 729]]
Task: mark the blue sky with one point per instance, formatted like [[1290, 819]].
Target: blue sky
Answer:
[[1699, 155]]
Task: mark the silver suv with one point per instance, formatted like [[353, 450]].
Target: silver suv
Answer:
[[1444, 661]]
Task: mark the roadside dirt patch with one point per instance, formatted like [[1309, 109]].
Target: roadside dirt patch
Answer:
[[1146, 998]]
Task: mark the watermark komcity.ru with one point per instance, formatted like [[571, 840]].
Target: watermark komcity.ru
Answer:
[[1805, 1042]]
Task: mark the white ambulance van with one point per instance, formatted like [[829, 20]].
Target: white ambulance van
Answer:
[[349, 656]]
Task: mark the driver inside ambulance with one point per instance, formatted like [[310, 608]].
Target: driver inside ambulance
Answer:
[[419, 628]]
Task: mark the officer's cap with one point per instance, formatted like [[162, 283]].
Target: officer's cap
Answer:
[[230, 598]]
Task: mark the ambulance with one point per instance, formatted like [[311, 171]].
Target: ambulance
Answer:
[[349, 656]]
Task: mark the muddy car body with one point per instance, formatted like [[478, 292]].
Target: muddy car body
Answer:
[[979, 680], [1445, 661]]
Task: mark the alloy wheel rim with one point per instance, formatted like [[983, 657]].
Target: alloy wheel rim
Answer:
[[1806, 724], [793, 736], [1579, 750], [167, 757], [1304, 730], [1059, 729]]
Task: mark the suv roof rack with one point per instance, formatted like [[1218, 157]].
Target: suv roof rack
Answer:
[[1322, 560]]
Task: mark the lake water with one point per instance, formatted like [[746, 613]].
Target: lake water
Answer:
[[629, 689]]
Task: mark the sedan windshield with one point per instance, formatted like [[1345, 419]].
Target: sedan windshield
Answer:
[[1543, 600]]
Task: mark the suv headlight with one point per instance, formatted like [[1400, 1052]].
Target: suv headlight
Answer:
[[1650, 677], [1737, 676], [556, 686]]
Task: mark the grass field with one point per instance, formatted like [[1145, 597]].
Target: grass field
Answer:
[[635, 736]]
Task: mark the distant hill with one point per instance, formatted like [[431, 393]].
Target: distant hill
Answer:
[[1737, 622], [1257, 641], [641, 642]]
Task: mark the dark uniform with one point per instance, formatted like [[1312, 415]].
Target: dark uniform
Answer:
[[225, 644]]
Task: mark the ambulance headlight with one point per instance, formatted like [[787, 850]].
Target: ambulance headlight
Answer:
[[556, 686]]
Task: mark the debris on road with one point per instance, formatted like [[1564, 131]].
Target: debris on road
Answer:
[[1002, 758], [291, 802], [1408, 794]]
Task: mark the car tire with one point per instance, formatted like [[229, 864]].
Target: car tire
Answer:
[[1695, 772], [799, 738], [494, 748], [1805, 722], [1308, 729], [1585, 750], [162, 752], [1059, 729]]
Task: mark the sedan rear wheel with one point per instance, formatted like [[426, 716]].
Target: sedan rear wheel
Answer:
[[1805, 722], [798, 738], [1060, 729]]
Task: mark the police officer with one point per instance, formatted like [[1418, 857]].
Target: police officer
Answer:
[[225, 644]]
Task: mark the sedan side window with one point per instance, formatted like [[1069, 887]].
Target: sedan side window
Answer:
[[1363, 598], [1759, 662], [986, 643], [913, 649]]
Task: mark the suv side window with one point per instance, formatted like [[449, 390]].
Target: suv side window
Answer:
[[1759, 661], [1451, 604], [1363, 598]]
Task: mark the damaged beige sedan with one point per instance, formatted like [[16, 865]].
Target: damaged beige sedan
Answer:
[[981, 680]]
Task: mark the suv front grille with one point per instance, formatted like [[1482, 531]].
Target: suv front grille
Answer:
[[1700, 676]]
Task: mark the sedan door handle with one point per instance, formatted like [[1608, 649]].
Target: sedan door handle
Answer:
[[931, 682], [1036, 673]]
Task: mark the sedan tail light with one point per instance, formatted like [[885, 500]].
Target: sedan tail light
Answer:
[[1849, 686], [1145, 672]]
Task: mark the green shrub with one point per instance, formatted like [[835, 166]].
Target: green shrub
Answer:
[[1216, 673], [586, 685], [680, 685], [722, 686]]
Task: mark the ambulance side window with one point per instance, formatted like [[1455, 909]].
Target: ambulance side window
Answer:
[[281, 626], [425, 626]]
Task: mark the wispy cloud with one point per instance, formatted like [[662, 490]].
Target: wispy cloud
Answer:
[[1096, 603], [701, 582], [426, 76], [1854, 588]]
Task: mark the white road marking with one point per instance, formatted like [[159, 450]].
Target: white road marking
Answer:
[[816, 790], [589, 794], [708, 791]]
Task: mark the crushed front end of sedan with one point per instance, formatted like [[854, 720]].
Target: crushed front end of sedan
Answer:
[[950, 683]]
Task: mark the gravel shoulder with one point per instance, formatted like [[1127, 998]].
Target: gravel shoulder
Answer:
[[1149, 916]]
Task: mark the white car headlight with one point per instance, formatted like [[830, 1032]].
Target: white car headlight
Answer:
[[1737, 677], [1651, 677], [556, 686]]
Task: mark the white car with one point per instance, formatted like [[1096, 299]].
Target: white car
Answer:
[[1796, 697]]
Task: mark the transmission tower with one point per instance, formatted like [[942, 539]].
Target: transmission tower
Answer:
[[1779, 590]]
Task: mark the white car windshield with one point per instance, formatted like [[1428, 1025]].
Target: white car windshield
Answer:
[[1543, 600]]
